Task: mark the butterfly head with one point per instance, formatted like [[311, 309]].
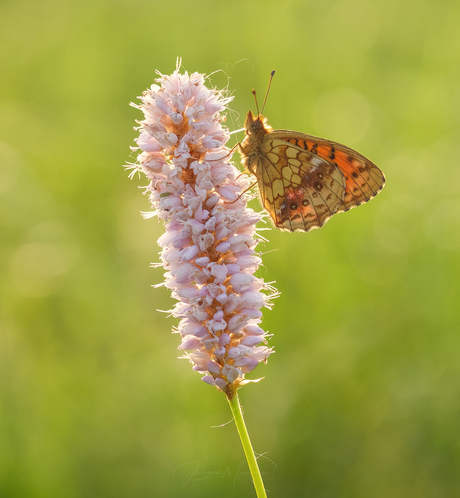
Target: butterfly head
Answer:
[[256, 125]]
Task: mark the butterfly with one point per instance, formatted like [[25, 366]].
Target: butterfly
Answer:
[[303, 180]]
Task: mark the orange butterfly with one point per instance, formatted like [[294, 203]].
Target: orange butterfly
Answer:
[[303, 180]]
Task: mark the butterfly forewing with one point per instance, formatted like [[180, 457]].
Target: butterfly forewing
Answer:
[[364, 180]]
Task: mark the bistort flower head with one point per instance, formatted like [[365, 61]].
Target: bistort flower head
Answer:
[[208, 246]]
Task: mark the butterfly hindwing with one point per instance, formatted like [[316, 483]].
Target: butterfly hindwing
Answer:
[[300, 190]]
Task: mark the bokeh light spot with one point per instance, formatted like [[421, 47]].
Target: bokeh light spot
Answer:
[[34, 268], [400, 224], [445, 224], [342, 114]]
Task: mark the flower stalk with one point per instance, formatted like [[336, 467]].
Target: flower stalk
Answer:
[[237, 412]]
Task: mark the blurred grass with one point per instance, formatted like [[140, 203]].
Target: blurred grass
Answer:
[[361, 398]]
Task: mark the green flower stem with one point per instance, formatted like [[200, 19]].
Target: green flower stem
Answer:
[[235, 406]]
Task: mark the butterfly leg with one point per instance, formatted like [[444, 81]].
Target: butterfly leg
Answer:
[[242, 193], [230, 152]]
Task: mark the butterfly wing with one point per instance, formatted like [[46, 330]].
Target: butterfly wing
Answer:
[[303, 180], [363, 179], [298, 188]]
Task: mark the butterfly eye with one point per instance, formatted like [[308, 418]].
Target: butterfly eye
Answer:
[[320, 176], [293, 206], [305, 202]]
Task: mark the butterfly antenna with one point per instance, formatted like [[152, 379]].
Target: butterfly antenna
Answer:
[[268, 89], [257, 105]]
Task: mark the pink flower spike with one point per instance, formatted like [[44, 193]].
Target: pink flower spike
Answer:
[[208, 247]]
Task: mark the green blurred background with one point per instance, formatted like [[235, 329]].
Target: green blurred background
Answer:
[[362, 396]]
